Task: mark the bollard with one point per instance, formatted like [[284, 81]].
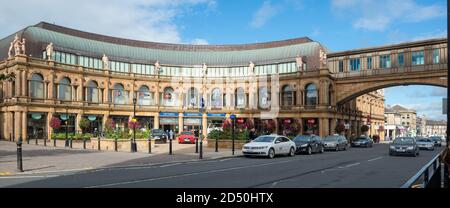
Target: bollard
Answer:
[[196, 145], [28, 139], [115, 145], [19, 155], [70, 140], [84, 143], [149, 146], [54, 142], [45, 141], [36, 140], [200, 156], [98, 144], [170, 146], [10, 137], [217, 144]]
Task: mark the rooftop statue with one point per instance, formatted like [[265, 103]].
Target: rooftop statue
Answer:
[[251, 67], [204, 69], [16, 46], [323, 58], [105, 61], [299, 61], [157, 67], [49, 51]]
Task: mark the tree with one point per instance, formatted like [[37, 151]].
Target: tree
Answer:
[[55, 123], [84, 124], [364, 128], [8, 77], [339, 128]]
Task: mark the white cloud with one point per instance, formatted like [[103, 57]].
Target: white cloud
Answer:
[[378, 15], [150, 20], [431, 35], [199, 41], [264, 14]]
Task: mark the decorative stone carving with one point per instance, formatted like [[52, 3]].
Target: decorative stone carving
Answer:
[[105, 61], [49, 51], [204, 70], [16, 46], [157, 67], [251, 68], [299, 61], [323, 59]]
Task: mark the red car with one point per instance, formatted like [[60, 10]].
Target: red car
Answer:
[[186, 137]]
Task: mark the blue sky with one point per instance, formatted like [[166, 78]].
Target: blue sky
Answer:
[[337, 24]]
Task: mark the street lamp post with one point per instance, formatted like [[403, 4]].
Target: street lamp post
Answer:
[[133, 142], [233, 118], [202, 110], [370, 118]]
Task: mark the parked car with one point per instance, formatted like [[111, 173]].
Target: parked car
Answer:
[[437, 140], [404, 146], [425, 143], [308, 144], [269, 145], [335, 142], [159, 135], [186, 137], [362, 141]]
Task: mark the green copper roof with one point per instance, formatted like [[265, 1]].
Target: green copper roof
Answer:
[[114, 51]]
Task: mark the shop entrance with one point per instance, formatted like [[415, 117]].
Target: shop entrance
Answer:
[[167, 124]]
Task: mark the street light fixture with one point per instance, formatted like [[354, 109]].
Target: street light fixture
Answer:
[[133, 142]]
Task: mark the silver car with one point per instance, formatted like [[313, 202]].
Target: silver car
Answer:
[[425, 143], [404, 146], [335, 142]]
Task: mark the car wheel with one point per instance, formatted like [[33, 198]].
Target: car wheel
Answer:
[[337, 148], [391, 154], [291, 152], [309, 151], [271, 153], [321, 149]]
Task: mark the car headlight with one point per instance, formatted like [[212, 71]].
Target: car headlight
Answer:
[[303, 145], [392, 147], [410, 148]]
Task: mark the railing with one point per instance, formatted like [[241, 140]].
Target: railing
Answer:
[[429, 176]]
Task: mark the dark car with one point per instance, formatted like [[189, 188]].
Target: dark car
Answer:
[[159, 135], [308, 144], [335, 142], [437, 140], [404, 146], [362, 141]]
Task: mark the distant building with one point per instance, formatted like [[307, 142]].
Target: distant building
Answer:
[[400, 121], [420, 126], [435, 128]]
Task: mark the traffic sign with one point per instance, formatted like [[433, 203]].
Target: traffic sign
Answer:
[[232, 116]]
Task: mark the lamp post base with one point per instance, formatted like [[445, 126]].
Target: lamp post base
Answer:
[[133, 147]]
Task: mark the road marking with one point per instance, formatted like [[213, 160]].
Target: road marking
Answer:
[[5, 173], [374, 159], [18, 177], [274, 184], [168, 165], [225, 159], [353, 164], [188, 174]]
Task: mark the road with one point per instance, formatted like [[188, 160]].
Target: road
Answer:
[[357, 167]]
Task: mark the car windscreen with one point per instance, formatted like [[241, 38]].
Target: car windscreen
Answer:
[[435, 138], [302, 139], [361, 139], [404, 140], [331, 138], [264, 139], [424, 140], [186, 133]]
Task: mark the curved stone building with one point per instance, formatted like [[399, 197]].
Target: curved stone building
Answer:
[[97, 77]]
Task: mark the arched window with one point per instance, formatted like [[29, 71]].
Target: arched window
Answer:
[[119, 94], [92, 92], [192, 97], [37, 86], [263, 97], [240, 98], [287, 96], [311, 95], [169, 97], [216, 98], [144, 96], [65, 90]]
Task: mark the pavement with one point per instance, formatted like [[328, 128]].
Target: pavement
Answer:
[[49, 159], [356, 167]]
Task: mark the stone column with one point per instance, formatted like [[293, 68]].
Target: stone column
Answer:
[[24, 83], [18, 124], [50, 87], [156, 98], [156, 122], [77, 122], [180, 122], [24, 124], [104, 119], [323, 127], [106, 93], [49, 129], [332, 125], [204, 125], [18, 83]]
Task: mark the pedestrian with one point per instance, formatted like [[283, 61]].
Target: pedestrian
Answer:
[[251, 134]]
